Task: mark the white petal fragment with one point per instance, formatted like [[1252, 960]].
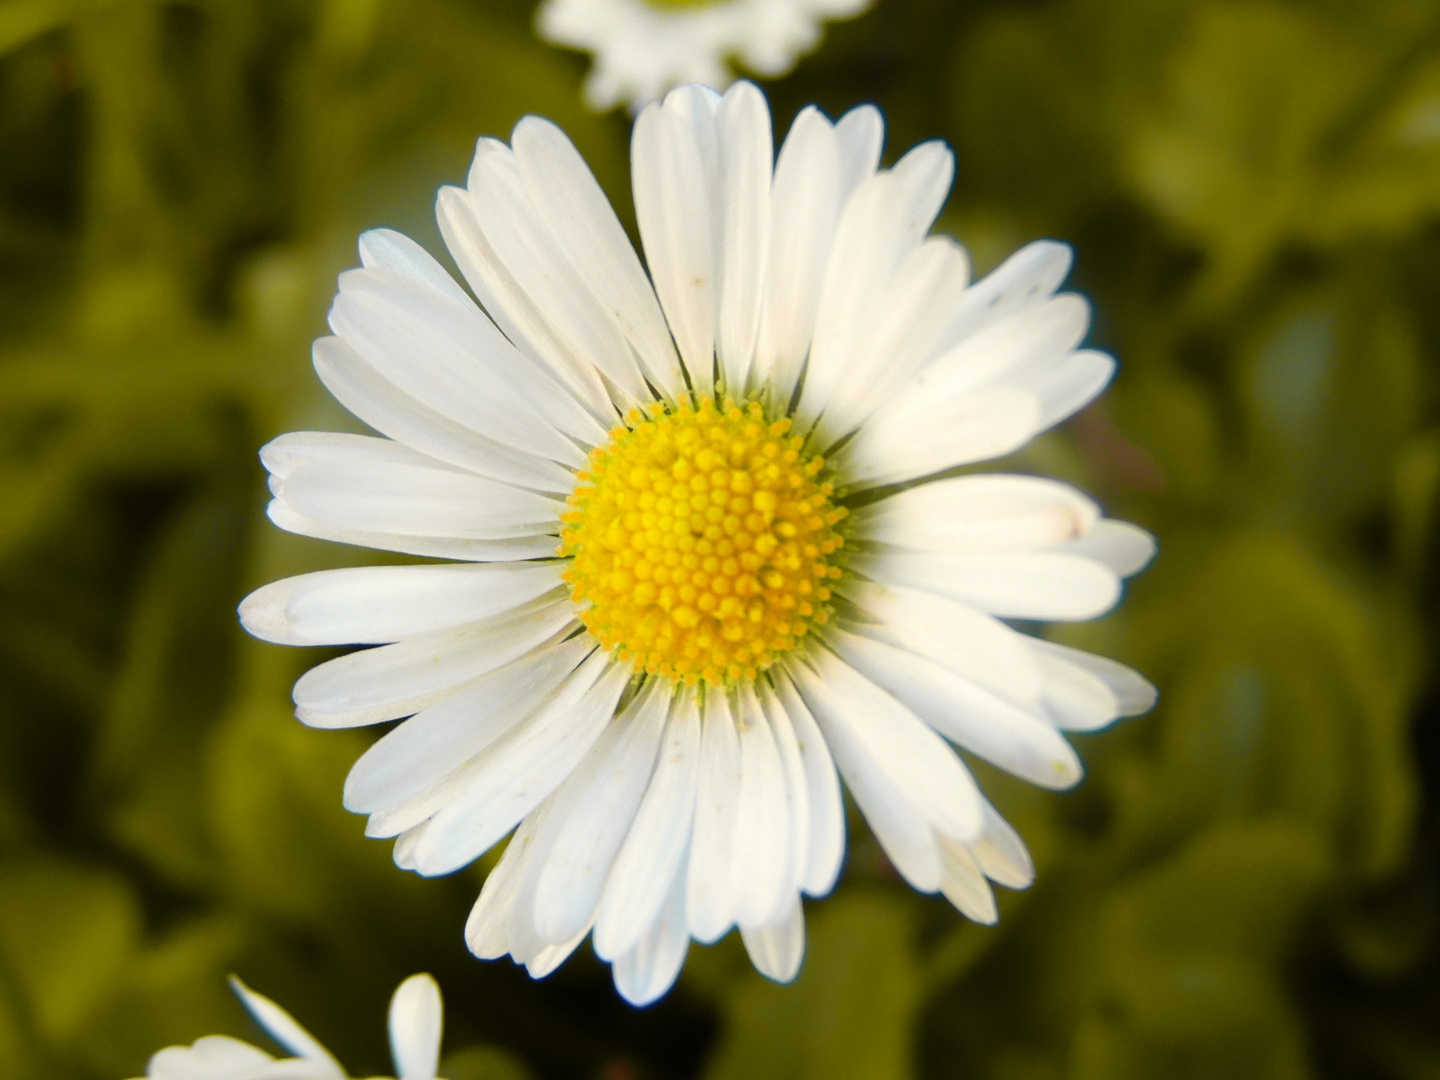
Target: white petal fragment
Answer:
[[970, 643], [761, 852], [542, 269], [507, 303], [675, 207], [364, 484], [375, 605], [416, 1020], [859, 136], [710, 890], [992, 512], [594, 809], [453, 359], [1124, 548], [284, 1028], [538, 546], [386, 683], [566, 194], [905, 778], [746, 153], [386, 249], [522, 767], [777, 950], [1085, 692], [1026, 278], [804, 206], [965, 885], [982, 722], [436, 742], [645, 971], [1018, 585], [826, 831], [358, 386], [654, 850]]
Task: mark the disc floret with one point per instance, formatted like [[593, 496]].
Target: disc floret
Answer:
[[702, 542]]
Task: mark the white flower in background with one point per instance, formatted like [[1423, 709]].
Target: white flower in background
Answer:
[[698, 558], [642, 48], [415, 1022]]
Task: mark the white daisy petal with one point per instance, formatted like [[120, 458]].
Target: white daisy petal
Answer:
[[283, 1028], [1006, 350], [797, 798], [902, 829], [392, 681], [451, 358], [1071, 384], [595, 807], [826, 830], [363, 484], [980, 513], [1084, 692], [875, 737], [1001, 853], [982, 722], [390, 411], [214, 1057], [776, 950], [565, 193], [650, 967], [654, 849], [513, 311], [375, 605], [578, 320], [386, 249], [522, 767], [901, 334], [974, 645], [284, 516], [760, 856], [804, 206], [428, 747], [488, 928], [1019, 585], [910, 438], [1124, 548], [416, 1019], [964, 884], [870, 241], [746, 152], [860, 136], [675, 207], [1026, 278], [710, 894], [925, 173]]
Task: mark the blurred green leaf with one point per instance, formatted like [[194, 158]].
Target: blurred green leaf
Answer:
[[849, 1015]]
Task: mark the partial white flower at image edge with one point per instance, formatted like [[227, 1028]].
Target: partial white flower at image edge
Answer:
[[642, 48], [415, 1027], [706, 544]]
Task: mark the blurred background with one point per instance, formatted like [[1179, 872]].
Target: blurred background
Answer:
[[1246, 883]]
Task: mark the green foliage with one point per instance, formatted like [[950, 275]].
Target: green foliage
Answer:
[[1245, 884]]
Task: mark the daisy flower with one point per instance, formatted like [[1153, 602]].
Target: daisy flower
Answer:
[[415, 1022], [706, 538], [644, 47]]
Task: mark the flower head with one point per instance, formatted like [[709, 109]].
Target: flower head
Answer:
[[642, 48], [707, 540], [415, 1022]]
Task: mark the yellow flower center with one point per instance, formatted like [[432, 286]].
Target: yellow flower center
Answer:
[[702, 545]]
